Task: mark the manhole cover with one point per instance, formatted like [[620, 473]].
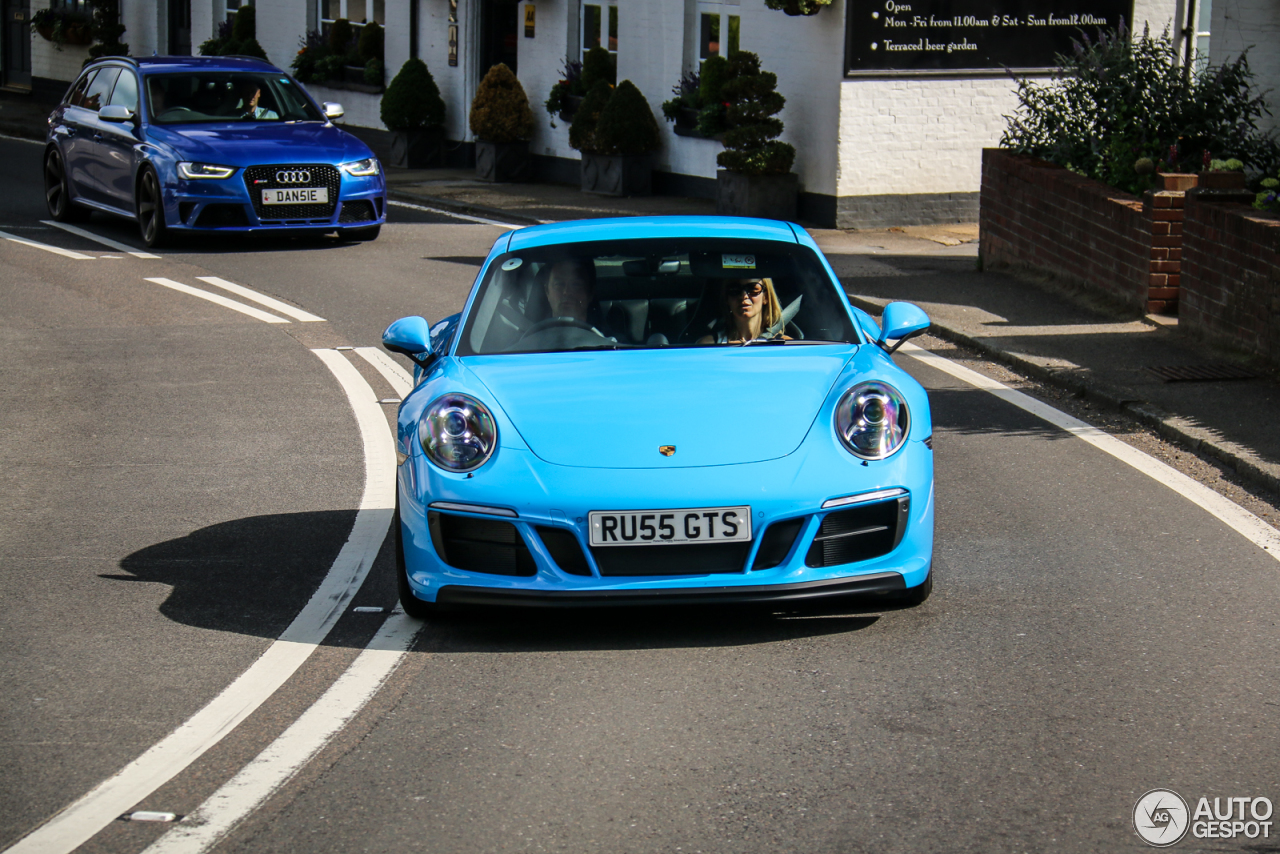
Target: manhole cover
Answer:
[[1201, 373]]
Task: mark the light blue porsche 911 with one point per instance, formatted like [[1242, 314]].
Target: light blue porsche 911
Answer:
[[661, 410]]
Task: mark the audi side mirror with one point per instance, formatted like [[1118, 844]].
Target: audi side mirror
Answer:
[[115, 113], [333, 110]]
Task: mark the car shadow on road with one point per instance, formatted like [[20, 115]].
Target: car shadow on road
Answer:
[[251, 576]]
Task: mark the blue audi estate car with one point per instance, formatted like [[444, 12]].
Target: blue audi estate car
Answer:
[[207, 144], [667, 409]]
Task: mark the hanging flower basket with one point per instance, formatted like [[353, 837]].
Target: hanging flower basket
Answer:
[[61, 28], [798, 7]]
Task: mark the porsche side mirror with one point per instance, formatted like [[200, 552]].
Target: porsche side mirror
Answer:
[[899, 322], [115, 113], [408, 336], [333, 110]]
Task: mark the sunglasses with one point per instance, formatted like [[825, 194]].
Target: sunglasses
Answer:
[[751, 289]]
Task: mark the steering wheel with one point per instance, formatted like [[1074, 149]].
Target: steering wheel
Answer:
[[554, 322]]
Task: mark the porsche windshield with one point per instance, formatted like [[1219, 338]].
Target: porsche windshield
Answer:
[[223, 96], [631, 294]]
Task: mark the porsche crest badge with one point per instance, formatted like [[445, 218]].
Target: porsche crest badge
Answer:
[[666, 450]]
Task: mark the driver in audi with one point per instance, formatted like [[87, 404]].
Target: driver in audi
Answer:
[[571, 289]]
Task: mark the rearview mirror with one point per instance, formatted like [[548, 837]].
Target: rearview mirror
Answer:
[[115, 113], [408, 336], [333, 110], [900, 321]]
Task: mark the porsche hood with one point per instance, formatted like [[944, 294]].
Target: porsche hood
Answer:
[[703, 407]]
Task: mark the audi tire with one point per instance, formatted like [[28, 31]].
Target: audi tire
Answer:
[[150, 209], [57, 190]]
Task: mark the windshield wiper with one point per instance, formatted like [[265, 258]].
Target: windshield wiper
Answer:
[[760, 341]]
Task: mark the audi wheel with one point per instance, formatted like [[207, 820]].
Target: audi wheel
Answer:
[[57, 191], [151, 210]]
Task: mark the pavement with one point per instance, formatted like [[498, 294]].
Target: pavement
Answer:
[[1052, 336]]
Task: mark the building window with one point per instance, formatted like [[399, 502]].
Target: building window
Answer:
[[81, 6], [233, 6], [600, 26], [719, 33], [358, 12], [1204, 14]]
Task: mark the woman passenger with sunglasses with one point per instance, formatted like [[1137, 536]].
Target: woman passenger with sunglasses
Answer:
[[751, 311]]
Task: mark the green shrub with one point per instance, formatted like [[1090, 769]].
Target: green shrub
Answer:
[[598, 65], [330, 68], [340, 36], [371, 39], [583, 128], [626, 124], [711, 80], [1117, 101], [229, 47], [245, 24], [375, 74], [500, 110], [250, 47], [751, 144], [412, 100]]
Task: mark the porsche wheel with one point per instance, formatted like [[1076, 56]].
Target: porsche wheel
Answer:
[[57, 191], [412, 605], [150, 209]]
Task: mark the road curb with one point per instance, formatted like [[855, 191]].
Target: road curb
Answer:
[[1240, 459], [462, 208]]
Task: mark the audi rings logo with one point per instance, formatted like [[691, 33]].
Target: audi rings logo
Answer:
[[293, 176]]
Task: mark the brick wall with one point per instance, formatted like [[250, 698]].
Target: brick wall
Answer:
[[1231, 277], [1037, 216]]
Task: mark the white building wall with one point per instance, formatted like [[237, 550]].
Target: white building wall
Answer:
[[53, 64], [1253, 25], [914, 135], [279, 26]]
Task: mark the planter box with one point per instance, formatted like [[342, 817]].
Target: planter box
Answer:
[[502, 162], [1220, 181], [617, 174], [766, 196], [416, 149]]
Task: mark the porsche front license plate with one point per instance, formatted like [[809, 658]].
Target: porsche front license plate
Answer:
[[296, 196], [669, 527]]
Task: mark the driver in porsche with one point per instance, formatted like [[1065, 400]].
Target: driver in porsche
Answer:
[[571, 289]]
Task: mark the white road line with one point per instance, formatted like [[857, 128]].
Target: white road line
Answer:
[[97, 238], [1233, 515], [5, 136], [56, 250], [220, 300], [262, 299], [462, 216], [400, 379], [116, 795], [296, 746]]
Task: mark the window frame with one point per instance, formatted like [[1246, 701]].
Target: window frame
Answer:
[[370, 6], [610, 22], [729, 20]]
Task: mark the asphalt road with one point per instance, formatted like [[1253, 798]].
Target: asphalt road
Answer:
[[178, 478]]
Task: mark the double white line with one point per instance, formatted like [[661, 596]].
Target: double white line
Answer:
[[273, 304]]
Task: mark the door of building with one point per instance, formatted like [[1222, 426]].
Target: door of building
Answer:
[[498, 33], [179, 27], [17, 43]]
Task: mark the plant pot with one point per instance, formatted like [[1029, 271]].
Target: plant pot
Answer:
[[570, 108], [75, 34], [797, 7], [416, 149], [1220, 181], [766, 196], [617, 174], [687, 122], [502, 162], [1178, 182]]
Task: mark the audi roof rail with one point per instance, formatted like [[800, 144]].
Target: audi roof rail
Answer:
[[129, 59], [243, 56]]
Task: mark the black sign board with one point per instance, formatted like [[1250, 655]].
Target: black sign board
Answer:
[[949, 36]]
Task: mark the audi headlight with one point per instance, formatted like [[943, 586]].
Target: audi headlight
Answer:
[[361, 168], [872, 420], [457, 433], [205, 170]]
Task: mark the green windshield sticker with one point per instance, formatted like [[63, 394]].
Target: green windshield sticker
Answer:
[[738, 262]]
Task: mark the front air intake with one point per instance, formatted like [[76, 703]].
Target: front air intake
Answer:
[[480, 545], [860, 533]]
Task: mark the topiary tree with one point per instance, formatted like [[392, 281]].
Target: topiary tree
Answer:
[[626, 124], [245, 24], [583, 128], [751, 145], [500, 110], [711, 79], [371, 42], [340, 36], [106, 30], [412, 100], [597, 65]]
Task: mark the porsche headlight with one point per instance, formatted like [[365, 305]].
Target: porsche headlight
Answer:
[[872, 420], [458, 433], [205, 170], [361, 168]]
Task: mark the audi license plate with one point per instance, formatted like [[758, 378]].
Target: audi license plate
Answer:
[[669, 527], [296, 196]]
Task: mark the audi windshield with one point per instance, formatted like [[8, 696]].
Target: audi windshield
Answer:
[[220, 96]]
